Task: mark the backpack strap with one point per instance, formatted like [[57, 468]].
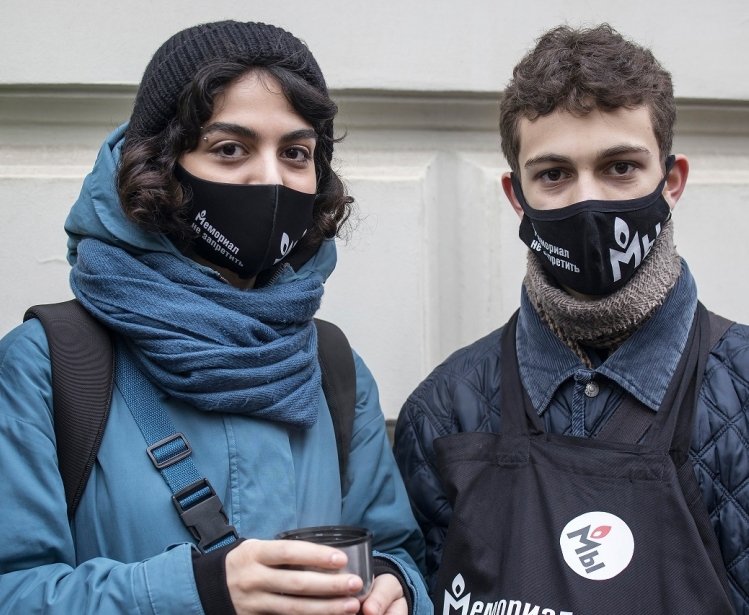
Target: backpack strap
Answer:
[[82, 363], [197, 503], [199, 507], [339, 385]]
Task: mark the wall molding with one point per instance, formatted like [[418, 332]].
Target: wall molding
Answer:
[[107, 104]]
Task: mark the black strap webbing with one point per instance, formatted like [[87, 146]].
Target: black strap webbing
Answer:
[[632, 419], [82, 361], [82, 358], [339, 386]]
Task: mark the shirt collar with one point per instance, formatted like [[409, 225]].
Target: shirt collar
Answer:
[[545, 362]]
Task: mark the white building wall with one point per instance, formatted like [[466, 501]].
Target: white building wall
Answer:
[[435, 261]]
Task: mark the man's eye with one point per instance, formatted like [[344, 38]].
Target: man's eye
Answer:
[[552, 175], [622, 168]]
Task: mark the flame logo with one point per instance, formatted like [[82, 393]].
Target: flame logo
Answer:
[[621, 232], [600, 532], [458, 585], [285, 244]]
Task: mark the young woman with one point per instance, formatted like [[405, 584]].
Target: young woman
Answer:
[[201, 240]]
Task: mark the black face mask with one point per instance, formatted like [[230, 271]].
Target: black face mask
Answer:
[[594, 247], [245, 228]]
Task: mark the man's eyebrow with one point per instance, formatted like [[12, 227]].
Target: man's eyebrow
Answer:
[[623, 150], [249, 133], [546, 158], [609, 152]]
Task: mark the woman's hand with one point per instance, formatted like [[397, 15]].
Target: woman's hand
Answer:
[[263, 576], [386, 597]]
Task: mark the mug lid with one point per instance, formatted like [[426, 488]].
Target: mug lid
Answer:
[[335, 535]]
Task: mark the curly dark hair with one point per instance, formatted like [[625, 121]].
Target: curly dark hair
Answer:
[[153, 198], [579, 70]]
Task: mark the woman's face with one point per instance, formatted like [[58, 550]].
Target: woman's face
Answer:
[[255, 137]]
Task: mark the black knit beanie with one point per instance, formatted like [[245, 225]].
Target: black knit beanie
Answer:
[[175, 63]]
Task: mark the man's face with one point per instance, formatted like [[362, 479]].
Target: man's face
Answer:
[[604, 155]]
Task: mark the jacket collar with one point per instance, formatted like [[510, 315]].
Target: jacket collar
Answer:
[[643, 365]]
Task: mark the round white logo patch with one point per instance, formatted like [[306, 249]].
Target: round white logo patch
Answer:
[[597, 545]]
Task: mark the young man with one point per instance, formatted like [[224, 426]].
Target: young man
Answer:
[[575, 433]]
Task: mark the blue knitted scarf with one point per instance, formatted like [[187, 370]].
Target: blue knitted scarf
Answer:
[[203, 341]]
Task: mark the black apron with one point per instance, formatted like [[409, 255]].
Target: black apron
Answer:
[[546, 524]]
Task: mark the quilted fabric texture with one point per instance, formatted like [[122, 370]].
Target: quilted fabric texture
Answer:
[[462, 394], [720, 451]]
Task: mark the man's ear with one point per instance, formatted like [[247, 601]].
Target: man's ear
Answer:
[[510, 193], [676, 180]]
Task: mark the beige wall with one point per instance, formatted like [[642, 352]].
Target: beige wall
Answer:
[[433, 45], [435, 260]]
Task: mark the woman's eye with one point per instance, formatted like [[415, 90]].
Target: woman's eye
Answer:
[[296, 154], [230, 150]]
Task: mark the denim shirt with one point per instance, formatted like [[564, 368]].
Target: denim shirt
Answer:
[[575, 400]]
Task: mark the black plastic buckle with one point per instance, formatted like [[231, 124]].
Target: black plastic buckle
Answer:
[[187, 450], [205, 519]]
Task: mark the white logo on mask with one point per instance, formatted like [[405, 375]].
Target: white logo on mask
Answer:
[[287, 246], [632, 251]]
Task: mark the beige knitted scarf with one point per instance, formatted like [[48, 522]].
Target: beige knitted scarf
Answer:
[[606, 322]]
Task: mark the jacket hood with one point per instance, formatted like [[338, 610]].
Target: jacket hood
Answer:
[[97, 214]]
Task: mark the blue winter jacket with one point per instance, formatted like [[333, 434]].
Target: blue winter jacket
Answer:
[[127, 550], [462, 394]]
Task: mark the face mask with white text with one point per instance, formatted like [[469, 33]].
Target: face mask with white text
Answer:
[[594, 247], [245, 228]]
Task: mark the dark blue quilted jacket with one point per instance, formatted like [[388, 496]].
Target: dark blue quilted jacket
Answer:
[[462, 394]]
